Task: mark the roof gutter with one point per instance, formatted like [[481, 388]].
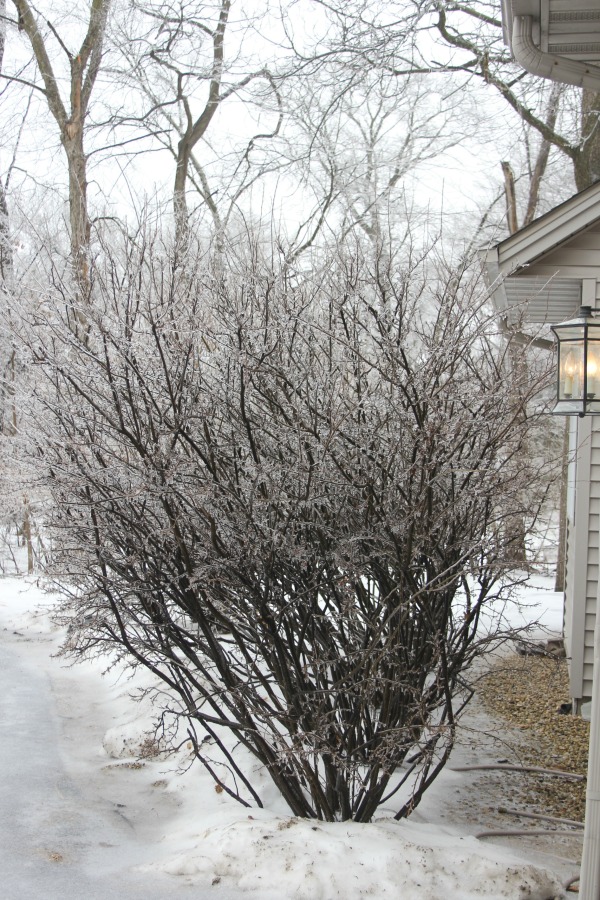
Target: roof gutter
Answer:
[[549, 65]]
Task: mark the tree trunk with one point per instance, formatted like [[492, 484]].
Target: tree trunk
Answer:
[[510, 197], [6, 254], [541, 162], [180, 208], [196, 130], [8, 412], [587, 160], [78, 211], [516, 524], [70, 117], [26, 531]]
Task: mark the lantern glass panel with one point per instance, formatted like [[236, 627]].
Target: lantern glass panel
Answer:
[[593, 369], [570, 370], [570, 331]]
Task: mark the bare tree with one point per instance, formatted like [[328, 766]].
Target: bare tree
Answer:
[[187, 61], [6, 256], [358, 150], [16, 517], [474, 30], [7, 414], [287, 496], [462, 38], [70, 114], [537, 163]]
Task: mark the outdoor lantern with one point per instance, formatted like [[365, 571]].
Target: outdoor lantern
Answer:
[[578, 341]]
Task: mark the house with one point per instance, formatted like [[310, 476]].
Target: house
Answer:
[[542, 274], [554, 264], [560, 40], [556, 39]]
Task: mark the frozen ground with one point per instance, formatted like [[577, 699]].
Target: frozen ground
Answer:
[[87, 814]]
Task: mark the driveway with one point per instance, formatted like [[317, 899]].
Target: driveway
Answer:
[[60, 839]]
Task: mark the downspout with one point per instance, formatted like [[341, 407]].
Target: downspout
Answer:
[[549, 65]]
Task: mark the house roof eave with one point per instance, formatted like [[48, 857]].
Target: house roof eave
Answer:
[[547, 232], [549, 65]]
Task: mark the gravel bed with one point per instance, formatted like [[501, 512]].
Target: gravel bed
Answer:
[[527, 692]]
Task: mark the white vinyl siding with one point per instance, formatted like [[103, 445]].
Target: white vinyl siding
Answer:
[[577, 258], [592, 568]]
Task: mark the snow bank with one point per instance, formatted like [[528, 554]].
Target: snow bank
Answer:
[[209, 839], [272, 857]]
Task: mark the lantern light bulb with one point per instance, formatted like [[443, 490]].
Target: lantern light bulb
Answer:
[[570, 373]]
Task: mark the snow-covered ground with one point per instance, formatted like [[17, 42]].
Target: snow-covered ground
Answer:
[[199, 837]]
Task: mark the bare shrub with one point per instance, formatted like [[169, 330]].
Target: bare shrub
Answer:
[[288, 494]]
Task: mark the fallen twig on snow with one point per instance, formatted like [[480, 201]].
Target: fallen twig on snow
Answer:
[[531, 815], [519, 832], [510, 768]]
